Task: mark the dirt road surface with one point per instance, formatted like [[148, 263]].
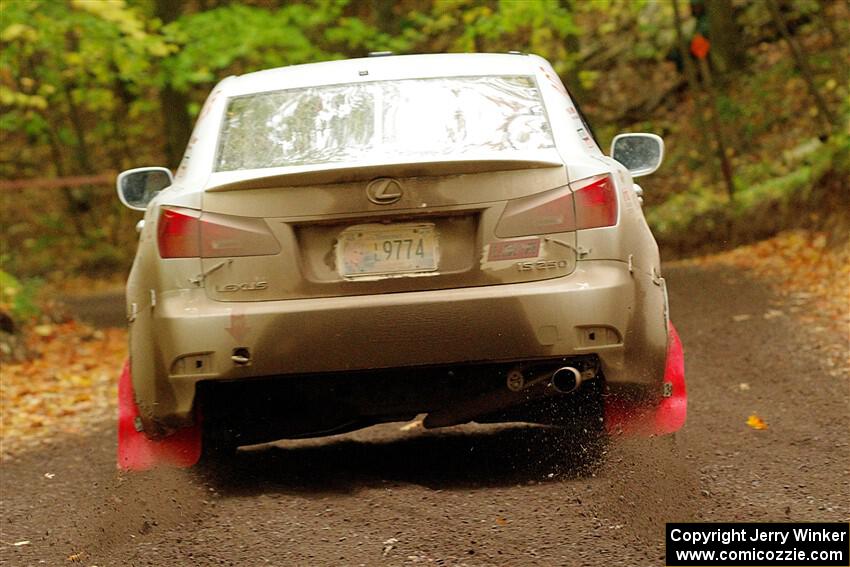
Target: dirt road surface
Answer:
[[472, 495]]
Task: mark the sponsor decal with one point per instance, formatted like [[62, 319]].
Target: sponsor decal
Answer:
[[514, 249]]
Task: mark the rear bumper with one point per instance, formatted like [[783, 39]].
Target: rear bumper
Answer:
[[601, 308]]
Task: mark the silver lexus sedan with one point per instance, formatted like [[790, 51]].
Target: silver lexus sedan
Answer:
[[364, 241]]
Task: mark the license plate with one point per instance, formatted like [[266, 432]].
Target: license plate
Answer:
[[378, 249]]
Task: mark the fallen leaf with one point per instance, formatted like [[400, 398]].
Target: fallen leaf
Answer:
[[756, 422], [741, 317], [43, 330], [68, 387]]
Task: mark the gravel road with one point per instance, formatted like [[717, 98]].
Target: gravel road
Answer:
[[472, 495]]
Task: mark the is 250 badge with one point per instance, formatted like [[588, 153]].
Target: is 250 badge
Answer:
[[541, 265]]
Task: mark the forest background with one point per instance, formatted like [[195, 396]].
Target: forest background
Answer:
[[757, 127]]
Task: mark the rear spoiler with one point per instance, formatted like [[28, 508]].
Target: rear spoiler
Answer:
[[363, 171]]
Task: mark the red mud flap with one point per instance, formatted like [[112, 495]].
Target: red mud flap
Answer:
[[630, 418], [137, 452]]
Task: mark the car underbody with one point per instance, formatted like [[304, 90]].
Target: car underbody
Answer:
[[265, 409]]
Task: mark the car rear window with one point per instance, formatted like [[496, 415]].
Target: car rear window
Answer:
[[413, 118]]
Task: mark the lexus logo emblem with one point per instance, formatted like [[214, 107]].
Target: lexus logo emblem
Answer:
[[384, 191]]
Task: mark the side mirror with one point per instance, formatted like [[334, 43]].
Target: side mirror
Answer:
[[640, 153], [136, 187]]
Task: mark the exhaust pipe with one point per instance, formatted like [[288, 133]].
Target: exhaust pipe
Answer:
[[566, 380], [519, 389]]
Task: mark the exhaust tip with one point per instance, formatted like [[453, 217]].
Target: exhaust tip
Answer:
[[566, 380]]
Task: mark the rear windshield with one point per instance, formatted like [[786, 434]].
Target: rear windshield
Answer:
[[414, 118]]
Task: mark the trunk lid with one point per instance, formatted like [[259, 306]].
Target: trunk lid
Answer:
[[350, 232]]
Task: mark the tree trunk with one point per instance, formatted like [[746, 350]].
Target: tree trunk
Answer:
[[82, 196], [802, 64], [177, 124], [81, 147], [174, 105], [829, 23], [573, 46], [71, 201], [727, 47], [124, 99], [684, 53], [717, 130], [385, 18], [690, 74]]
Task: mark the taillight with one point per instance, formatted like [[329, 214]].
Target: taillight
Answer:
[[177, 233], [589, 203], [186, 233], [223, 235], [596, 202], [547, 212]]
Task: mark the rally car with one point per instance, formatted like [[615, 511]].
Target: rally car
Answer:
[[363, 241]]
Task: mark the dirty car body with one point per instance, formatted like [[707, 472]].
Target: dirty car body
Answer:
[[361, 241]]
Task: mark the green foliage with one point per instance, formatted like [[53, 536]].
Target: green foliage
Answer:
[[234, 39], [67, 62], [19, 298], [703, 218], [77, 68], [535, 26]]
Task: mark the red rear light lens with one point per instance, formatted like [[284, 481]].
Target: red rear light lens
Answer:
[[227, 236], [177, 233], [187, 233], [589, 203], [596, 202], [547, 212]]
